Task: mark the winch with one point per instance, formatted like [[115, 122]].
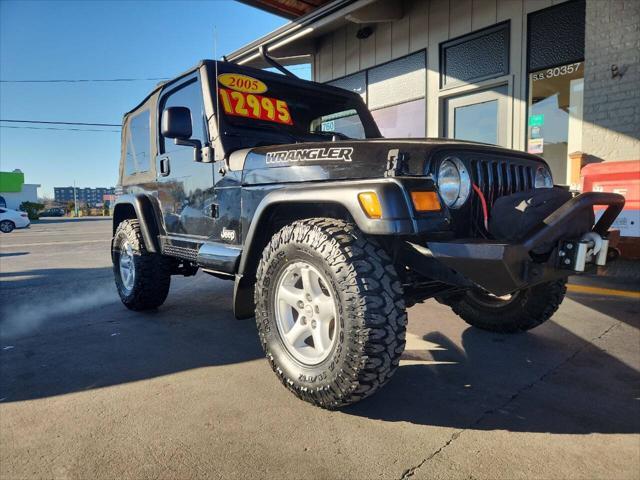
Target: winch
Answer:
[[575, 255]]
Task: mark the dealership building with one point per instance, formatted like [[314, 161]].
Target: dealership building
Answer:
[[556, 78]]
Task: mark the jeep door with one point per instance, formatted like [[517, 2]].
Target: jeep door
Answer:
[[185, 187]]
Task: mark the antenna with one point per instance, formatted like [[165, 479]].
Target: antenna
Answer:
[[215, 59]]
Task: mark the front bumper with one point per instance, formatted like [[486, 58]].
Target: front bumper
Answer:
[[502, 268]]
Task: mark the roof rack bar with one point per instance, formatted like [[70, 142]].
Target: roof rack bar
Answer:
[[272, 61]]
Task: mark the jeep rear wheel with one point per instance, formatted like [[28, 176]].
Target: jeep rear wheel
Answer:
[[142, 278], [520, 311], [329, 311]]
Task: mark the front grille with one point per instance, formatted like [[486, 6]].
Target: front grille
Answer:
[[498, 177]]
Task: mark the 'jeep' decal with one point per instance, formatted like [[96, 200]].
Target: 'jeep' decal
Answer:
[[306, 154]]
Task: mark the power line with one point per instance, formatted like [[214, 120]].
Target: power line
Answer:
[[64, 123], [87, 80], [54, 128], [106, 80]]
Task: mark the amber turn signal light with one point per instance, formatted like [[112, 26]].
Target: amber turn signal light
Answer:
[[370, 204], [425, 201]]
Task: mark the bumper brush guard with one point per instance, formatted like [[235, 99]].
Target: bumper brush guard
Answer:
[[502, 268]]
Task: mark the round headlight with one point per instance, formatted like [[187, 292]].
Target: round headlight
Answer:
[[454, 183], [543, 178]]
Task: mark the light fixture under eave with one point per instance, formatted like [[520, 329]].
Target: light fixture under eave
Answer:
[[281, 43]]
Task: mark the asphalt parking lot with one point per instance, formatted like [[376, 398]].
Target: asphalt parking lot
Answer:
[[91, 390]]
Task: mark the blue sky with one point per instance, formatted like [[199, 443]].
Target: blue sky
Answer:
[[98, 40]]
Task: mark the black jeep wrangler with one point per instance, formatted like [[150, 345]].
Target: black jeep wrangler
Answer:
[[330, 231]]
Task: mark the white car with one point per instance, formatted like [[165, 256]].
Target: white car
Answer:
[[10, 219]]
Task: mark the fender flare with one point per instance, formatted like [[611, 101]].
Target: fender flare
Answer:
[[147, 212], [397, 217]]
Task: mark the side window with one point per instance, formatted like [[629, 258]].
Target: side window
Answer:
[[138, 143], [190, 96]]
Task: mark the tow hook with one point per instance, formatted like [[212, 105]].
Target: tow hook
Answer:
[[591, 248]]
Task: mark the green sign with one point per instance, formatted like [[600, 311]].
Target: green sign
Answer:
[[11, 181], [536, 120]]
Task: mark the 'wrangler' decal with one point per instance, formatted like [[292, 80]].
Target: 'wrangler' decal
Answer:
[[329, 153]]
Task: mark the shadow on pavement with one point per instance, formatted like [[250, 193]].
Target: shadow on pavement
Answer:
[[89, 339], [623, 310], [86, 340], [592, 392], [13, 254]]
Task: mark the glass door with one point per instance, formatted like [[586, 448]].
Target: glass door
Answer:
[[479, 117], [555, 119]]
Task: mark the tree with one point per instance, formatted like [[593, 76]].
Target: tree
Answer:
[[32, 209]]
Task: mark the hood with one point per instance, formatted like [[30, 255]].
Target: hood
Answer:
[[360, 159]]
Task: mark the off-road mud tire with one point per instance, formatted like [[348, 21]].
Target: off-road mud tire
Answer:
[[530, 307], [152, 270], [370, 309]]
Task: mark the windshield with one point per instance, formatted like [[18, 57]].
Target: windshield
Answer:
[[267, 110]]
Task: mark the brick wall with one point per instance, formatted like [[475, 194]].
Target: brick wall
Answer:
[[611, 129]]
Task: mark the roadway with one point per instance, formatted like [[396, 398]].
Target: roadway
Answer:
[[89, 389]]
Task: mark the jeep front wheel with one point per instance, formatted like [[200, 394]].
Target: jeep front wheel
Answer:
[[518, 312], [330, 312], [142, 278]]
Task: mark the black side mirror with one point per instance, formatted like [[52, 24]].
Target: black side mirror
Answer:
[[176, 124]]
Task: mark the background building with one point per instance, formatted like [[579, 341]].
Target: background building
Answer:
[[13, 190], [557, 78], [88, 196]]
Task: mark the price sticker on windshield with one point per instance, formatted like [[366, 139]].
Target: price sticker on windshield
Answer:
[[257, 107], [242, 83]]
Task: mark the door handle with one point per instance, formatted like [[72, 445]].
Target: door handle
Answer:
[[165, 168]]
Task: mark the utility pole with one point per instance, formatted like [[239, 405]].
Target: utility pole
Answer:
[[75, 200]]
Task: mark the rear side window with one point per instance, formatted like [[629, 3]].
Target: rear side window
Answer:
[[138, 144]]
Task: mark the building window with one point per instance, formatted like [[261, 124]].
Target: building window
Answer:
[[475, 57], [398, 81], [402, 120], [354, 83], [556, 35], [555, 117], [479, 116], [395, 94]]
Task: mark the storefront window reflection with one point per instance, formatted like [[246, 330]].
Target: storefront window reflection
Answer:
[[477, 122], [555, 118], [406, 120]]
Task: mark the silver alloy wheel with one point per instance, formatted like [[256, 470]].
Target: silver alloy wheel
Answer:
[[6, 226], [306, 313], [127, 267]]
